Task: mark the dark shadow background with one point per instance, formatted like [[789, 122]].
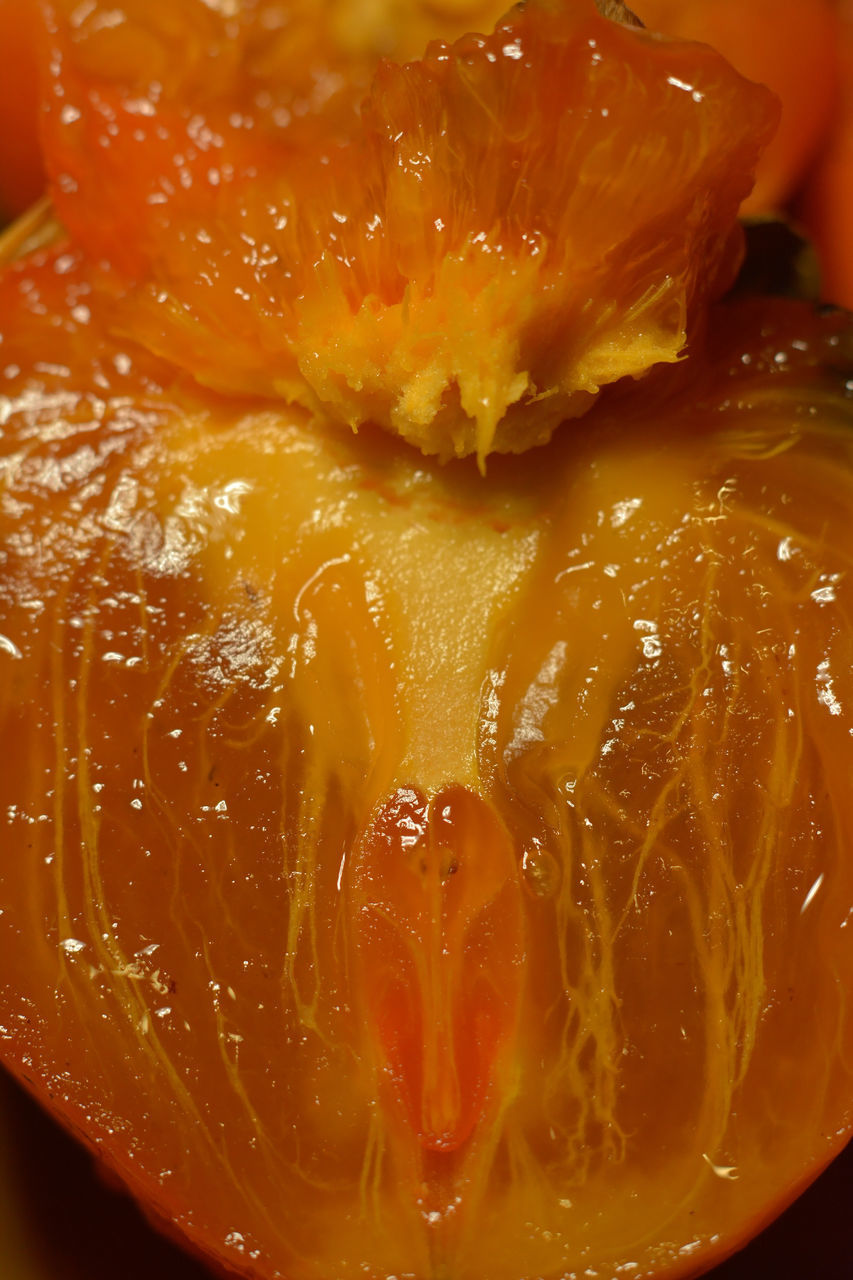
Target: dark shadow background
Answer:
[[81, 1229]]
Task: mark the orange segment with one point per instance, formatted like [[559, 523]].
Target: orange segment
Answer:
[[510, 224]]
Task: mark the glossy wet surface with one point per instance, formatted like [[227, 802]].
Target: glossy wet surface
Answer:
[[60, 1221]]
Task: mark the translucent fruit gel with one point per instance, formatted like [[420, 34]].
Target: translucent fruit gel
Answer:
[[410, 868]]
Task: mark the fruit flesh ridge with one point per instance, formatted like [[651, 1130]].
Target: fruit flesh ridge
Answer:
[[164, 563], [466, 257]]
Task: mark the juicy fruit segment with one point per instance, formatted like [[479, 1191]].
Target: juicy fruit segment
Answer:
[[247, 658], [509, 224], [507, 147]]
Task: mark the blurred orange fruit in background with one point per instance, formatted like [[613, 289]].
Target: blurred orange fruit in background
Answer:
[[789, 45], [827, 200], [22, 176]]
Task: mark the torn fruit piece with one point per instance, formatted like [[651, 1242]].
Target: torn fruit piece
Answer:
[[510, 224]]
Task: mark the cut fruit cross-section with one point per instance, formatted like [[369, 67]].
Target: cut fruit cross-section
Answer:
[[268, 682]]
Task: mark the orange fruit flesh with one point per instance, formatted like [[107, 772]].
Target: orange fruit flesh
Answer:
[[267, 684], [506, 226]]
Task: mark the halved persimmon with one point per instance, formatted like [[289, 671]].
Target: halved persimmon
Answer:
[[618, 672], [408, 871]]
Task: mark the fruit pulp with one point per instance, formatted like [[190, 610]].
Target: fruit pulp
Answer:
[[464, 248], [459, 862]]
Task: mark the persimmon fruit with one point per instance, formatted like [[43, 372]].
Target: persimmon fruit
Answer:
[[409, 870], [826, 206], [293, 946]]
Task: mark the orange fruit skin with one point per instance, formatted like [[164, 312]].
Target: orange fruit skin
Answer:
[[789, 45], [22, 174], [826, 207]]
